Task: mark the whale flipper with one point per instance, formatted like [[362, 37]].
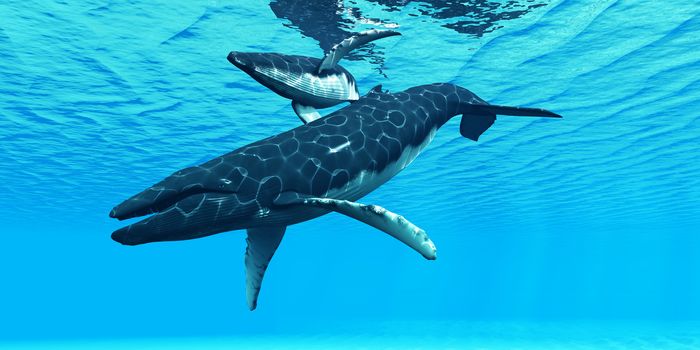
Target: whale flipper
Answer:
[[341, 49], [262, 244], [395, 225], [307, 114]]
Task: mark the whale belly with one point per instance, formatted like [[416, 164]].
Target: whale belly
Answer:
[[367, 181], [310, 89]]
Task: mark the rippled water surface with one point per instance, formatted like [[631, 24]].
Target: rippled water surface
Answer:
[[580, 233]]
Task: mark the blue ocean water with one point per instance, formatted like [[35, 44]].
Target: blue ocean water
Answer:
[[551, 234]]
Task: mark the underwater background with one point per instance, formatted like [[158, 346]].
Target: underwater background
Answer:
[[580, 233]]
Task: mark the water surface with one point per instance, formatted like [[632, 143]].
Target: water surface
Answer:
[[543, 227]]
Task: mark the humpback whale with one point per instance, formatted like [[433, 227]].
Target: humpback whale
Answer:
[[309, 82], [316, 168]]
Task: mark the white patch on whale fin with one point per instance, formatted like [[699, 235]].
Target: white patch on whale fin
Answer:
[[393, 224], [307, 114], [341, 49], [262, 244]]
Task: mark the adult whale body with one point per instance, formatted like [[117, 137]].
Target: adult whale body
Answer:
[[309, 82], [298, 175]]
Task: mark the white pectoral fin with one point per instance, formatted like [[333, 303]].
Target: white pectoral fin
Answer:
[[393, 224], [262, 244], [307, 114], [341, 49]]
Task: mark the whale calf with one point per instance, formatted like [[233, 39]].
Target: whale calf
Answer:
[[323, 166], [309, 82]]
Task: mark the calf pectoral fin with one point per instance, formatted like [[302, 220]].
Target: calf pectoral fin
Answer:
[[262, 244], [307, 114], [395, 225]]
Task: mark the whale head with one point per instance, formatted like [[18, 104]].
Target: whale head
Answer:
[[246, 61], [188, 217]]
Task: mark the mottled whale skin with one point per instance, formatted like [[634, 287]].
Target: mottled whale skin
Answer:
[[306, 172]]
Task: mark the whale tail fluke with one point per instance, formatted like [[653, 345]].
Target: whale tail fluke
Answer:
[[479, 118], [515, 111]]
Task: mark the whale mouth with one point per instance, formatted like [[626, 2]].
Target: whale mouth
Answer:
[[194, 216]]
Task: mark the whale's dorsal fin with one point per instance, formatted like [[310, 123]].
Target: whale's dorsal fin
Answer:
[[307, 114], [377, 89], [341, 49], [395, 225], [262, 244]]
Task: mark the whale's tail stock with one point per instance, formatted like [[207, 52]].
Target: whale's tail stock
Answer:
[[477, 118], [477, 114]]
